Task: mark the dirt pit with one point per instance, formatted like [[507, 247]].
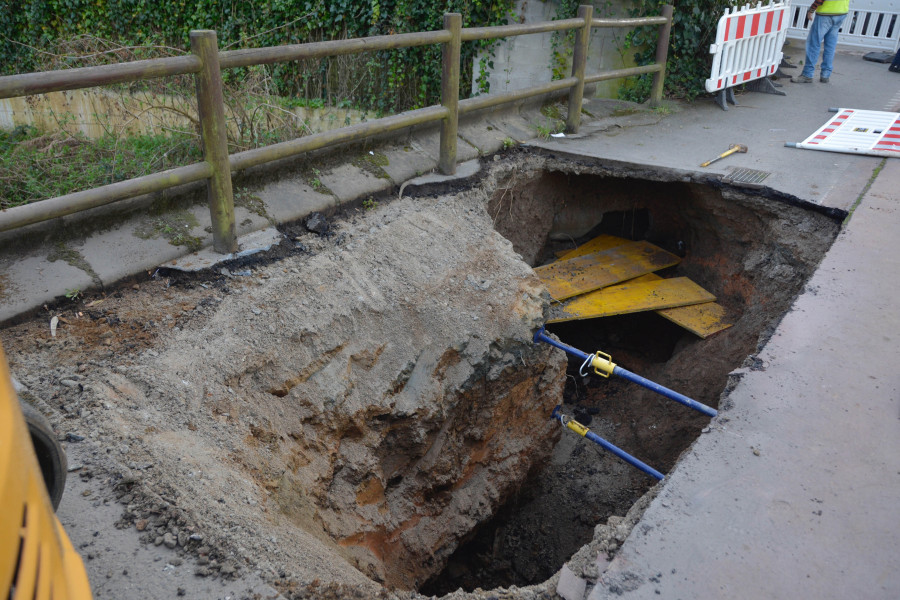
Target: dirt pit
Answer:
[[364, 412]]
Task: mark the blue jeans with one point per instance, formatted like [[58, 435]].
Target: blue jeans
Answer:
[[823, 27]]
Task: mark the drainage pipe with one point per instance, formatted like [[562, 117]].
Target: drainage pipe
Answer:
[[604, 367], [585, 432]]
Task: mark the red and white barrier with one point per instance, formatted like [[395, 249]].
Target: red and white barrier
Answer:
[[857, 132], [748, 44]]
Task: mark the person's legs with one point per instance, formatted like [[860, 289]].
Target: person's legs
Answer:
[[895, 66], [814, 36], [831, 38]]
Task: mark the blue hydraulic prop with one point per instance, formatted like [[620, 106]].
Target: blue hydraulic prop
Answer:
[[587, 433], [604, 367]]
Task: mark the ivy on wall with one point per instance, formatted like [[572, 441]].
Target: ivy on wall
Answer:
[[687, 68], [385, 81]]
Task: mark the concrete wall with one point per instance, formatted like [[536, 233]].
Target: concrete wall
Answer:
[[524, 61]]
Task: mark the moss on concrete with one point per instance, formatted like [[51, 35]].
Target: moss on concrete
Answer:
[[373, 163], [72, 257], [175, 227], [253, 203]]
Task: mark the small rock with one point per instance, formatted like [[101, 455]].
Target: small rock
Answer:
[[181, 591], [201, 572], [141, 524], [170, 541], [158, 541], [70, 383], [74, 437], [317, 223], [176, 562]]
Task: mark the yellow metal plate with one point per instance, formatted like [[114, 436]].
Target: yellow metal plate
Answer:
[[582, 274], [632, 297], [598, 244], [700, 319]]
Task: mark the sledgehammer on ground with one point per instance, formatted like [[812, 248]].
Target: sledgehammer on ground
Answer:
[[734, 148]]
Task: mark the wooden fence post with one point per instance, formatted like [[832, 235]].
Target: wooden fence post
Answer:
[[450, 93], [579, 62], [662, 52], [214, 137]]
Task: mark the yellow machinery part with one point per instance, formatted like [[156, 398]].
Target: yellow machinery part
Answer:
[[37, 560], [632, 297], [582, 274]]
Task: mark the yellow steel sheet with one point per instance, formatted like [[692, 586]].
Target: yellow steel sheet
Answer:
[[632, 297], [598, 244], [582, 274], [700, 319]]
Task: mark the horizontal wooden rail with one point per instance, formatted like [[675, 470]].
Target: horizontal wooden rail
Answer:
[[479, 102], [619, 73], [264, 56], [13, 86], [639, 22], [20, 216], [307, 143], [471, 34]]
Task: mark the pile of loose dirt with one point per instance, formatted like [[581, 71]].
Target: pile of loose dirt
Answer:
[[346, 415]]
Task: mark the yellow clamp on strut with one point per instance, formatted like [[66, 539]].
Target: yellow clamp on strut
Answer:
[[602, 363], [577, 427]]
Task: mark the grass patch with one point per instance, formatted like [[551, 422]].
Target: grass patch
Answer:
[[35, 165]]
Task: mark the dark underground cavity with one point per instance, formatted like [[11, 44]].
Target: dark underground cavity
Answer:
[[754, 253]]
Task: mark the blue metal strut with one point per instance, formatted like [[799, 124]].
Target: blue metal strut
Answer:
[[585, 432], [605, 367]]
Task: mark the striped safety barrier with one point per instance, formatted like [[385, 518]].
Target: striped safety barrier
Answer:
[[747, 49], [857, 132]]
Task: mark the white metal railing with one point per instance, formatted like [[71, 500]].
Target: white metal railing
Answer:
[[870, 24]]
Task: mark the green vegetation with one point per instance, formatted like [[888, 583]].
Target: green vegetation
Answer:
[[508, 143], [36, 32], [370, 203], [687, 68], [36, 165]]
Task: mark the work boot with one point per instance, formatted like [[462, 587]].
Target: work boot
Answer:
[[801, 79], [823, 79]]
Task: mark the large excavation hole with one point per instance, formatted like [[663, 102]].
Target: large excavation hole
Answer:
[[753, 252]]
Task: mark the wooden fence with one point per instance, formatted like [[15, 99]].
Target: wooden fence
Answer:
[[206, 63]]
